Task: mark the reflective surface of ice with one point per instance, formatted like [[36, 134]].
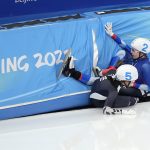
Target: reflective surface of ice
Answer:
[[86, 129]]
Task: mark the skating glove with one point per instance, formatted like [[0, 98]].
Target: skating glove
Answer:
[[108, 28]]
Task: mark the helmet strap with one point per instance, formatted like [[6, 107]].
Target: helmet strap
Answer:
[[142, 55], [123, 83]]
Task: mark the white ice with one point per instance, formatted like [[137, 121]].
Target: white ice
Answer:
[[86, 129]]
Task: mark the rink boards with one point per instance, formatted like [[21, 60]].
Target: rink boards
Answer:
[[22, 10], [31, 55]]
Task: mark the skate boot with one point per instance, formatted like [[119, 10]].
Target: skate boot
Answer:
[[68, 67]]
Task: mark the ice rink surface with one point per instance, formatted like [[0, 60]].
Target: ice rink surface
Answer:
[[85, 129]]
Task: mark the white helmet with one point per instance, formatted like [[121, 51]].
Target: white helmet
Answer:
[[141, 44], [126, 73]]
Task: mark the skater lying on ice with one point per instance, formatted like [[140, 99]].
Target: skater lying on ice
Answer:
[[105, 90]]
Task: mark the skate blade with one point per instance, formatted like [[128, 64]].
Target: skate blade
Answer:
[[68, 54]]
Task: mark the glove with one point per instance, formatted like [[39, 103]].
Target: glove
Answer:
[[111, 111], [116, 111], [108, 28]]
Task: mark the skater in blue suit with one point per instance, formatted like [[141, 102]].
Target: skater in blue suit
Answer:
[[138, 54]]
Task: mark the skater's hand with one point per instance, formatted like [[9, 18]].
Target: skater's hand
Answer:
[[108, 28]]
